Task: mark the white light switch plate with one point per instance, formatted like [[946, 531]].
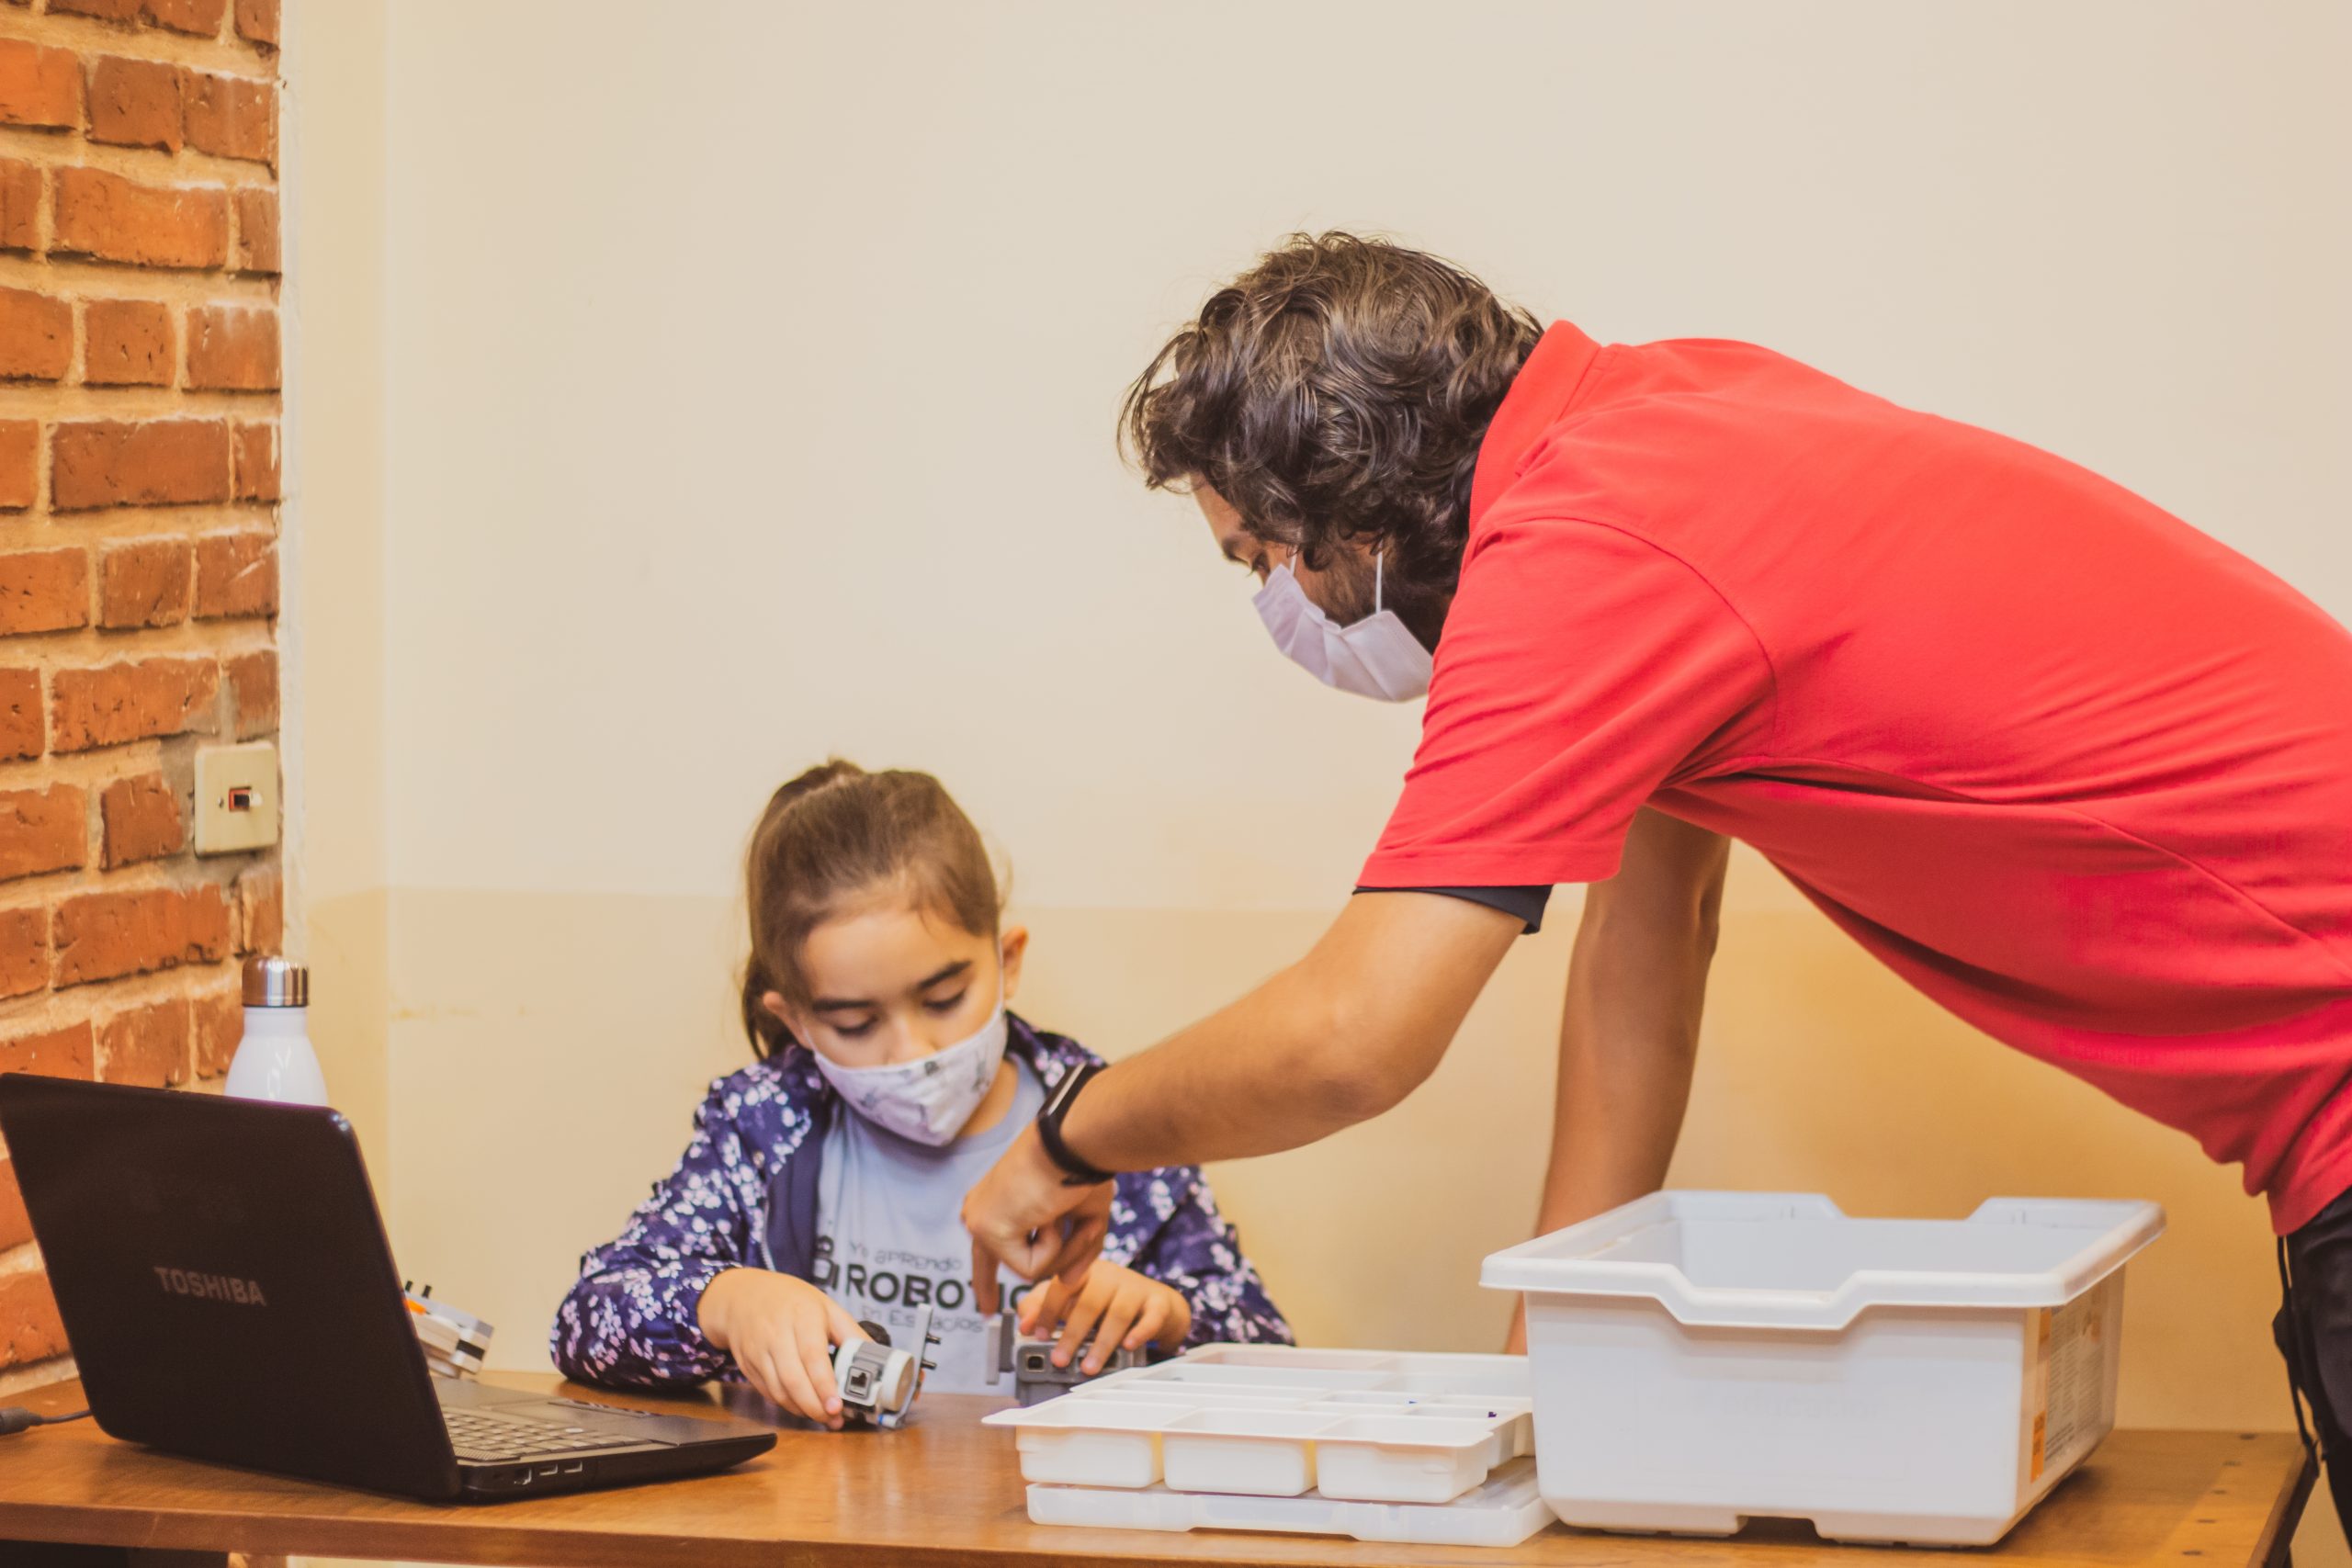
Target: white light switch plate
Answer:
[[236, 797]]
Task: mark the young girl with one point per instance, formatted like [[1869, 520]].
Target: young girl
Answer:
[[824, 1182]]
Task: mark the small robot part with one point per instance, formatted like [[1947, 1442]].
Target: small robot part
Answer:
[[455, 1342], [879, 1383], [1035, 1379]]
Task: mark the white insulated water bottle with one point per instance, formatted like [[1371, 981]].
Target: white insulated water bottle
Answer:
[[275, 1060]]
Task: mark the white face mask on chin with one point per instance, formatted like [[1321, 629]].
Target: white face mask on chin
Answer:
[[1375, 657], [930, 1098]]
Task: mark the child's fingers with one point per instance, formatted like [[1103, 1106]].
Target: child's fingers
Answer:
[[1152, 1318], [761, 1372], [1080, 1315], [1043, 1305], [1179, 1326], [1118, 1317], [840, 1327], [799, 1393], [817, 1359]]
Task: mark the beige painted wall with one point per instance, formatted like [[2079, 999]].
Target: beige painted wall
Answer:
[[332, 626], [745, 397]]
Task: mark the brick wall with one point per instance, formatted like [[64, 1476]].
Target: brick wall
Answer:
[[138, 573]]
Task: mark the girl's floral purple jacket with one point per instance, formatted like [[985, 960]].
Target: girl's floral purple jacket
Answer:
[[630, 1319]]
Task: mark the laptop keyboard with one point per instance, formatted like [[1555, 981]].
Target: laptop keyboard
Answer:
[[483, 1437]]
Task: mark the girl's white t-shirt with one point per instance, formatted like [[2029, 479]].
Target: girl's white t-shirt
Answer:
[[891, 1238]]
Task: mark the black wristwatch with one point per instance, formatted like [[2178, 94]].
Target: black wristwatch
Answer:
[[1076, 1172]]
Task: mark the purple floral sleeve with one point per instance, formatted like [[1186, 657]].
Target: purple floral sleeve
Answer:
[[630, 1320], [1165, 1224]]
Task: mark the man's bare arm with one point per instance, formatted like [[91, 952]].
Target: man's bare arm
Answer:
[[1335, 1039], [1339, 1037], [1629, 1032]]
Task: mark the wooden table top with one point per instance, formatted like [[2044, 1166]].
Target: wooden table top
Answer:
[[946, 1489]]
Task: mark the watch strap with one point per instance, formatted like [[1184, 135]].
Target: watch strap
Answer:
[[1076, 1172]]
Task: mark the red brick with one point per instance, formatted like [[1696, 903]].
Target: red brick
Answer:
[[260, 912], [19, 463], [44, 591], [52, 1052], [36, 335], [22, 733], [257, 22], [210, 939], [102, 936], [144, 584], [15, 1225], [257, 463], [40, 86], [43, 830], [217, 1018], [19, 206], [201, 19], [141, 820], [115, 703], [146, 1045], [123, 11], [24, 957], [136, 102], [127, 343], [232, 349], [30, 1329], [230, 116], [253, 692], [236, 574], [256, 229], [166, 462], [113, 218]]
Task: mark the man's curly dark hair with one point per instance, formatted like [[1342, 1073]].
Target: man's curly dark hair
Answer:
[[1337, 391]]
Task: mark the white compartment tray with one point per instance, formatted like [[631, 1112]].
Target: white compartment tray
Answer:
[[1503, 1511], [1272, 1422]]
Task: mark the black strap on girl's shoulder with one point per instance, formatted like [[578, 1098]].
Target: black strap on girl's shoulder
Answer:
[[792, 1199]]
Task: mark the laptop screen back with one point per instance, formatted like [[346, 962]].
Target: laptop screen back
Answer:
[[224, 1280]]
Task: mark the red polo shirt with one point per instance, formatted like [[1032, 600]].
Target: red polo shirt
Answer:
[[2072, 769]]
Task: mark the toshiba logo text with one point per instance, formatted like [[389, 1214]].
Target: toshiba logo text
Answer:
[[211, 1287]]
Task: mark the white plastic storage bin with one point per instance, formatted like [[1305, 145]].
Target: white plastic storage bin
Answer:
[[1702, 1359]]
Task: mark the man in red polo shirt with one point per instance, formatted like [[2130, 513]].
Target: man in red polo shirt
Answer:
[[2072, 769]]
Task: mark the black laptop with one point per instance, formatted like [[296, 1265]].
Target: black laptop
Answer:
[[224, 1280]]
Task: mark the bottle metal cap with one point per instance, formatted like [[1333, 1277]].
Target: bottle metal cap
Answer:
[[277, 983]]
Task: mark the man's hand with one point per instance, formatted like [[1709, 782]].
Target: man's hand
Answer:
[[1119, 1308], [1022, 1216]]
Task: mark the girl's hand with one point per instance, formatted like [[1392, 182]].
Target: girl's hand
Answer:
[[781, 1332], [1120, 1308]]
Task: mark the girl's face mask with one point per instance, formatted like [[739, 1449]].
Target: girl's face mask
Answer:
[[1375, 657], [931, 1098]]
